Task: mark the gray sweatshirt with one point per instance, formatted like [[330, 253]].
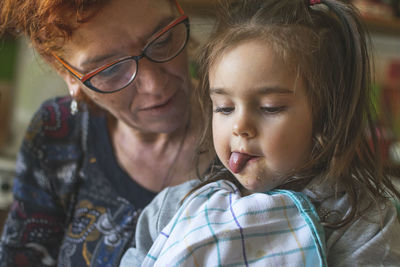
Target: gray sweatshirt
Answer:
[[372, 239]]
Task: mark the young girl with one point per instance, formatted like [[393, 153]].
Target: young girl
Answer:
[[287, 85]]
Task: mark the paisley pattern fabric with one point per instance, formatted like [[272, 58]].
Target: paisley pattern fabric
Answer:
[[73, 205]]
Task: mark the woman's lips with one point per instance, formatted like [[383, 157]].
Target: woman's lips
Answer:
[[238, 160], [159, 106]]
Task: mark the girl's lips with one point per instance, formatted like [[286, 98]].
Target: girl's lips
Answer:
[[238, 160]]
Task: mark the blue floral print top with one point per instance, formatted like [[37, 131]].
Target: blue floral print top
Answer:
[[73, 204]]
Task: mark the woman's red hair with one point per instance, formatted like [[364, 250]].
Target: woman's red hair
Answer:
[[47, 23]]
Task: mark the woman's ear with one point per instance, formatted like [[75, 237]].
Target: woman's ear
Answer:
[[74, 85]]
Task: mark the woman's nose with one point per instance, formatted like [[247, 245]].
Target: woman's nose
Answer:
[[150, 77], [244, 126]]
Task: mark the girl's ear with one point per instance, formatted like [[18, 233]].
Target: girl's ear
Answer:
[[318, 141]]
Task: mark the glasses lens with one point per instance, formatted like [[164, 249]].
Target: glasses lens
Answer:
[[115, 77], [169, 44]]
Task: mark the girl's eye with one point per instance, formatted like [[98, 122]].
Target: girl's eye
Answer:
[[273, 110], [224, 110]]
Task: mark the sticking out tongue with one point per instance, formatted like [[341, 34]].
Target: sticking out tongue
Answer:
[[237, 161]]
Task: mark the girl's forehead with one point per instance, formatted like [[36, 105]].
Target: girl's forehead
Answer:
[[252, 67], [251, 55], [273, 45]]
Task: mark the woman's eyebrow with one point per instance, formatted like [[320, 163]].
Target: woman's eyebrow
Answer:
[[100, 58], [97, 59], [163, 23]]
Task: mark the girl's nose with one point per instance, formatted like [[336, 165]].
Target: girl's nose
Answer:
[[244, 127]]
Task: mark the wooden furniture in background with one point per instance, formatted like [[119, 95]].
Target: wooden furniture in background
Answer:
[[374, 25], [8, 55]]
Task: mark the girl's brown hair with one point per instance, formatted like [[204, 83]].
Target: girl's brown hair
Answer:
[[327, 46]]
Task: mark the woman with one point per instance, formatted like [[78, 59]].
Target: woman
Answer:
[[91, 162]]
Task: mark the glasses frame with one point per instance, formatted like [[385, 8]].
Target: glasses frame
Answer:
[[85, 78]]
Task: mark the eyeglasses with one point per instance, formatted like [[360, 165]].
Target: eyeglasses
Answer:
[[162, 47]]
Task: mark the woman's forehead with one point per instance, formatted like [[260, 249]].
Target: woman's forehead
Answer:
[[137, 15], [121, 28]]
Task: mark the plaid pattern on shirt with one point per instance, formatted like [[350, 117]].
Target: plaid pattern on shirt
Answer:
[[216, 226]]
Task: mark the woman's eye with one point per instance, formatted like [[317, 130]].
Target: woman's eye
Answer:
[[223, 110], [111, 71], [162, 40], [273, 110]]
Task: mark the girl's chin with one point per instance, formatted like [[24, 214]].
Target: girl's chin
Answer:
[[254, 186]]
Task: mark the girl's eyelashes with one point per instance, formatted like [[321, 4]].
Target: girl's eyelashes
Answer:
[[273, 110], [224, 110], [265, 109]]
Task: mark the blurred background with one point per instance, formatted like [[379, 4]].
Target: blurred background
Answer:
[[26, 81]]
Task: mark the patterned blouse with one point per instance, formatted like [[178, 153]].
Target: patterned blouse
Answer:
[[73, 204]]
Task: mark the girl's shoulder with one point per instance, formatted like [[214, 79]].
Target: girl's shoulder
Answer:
[[333, 203], [166, 204], [153, 219], [163, 207], [371, 238]]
